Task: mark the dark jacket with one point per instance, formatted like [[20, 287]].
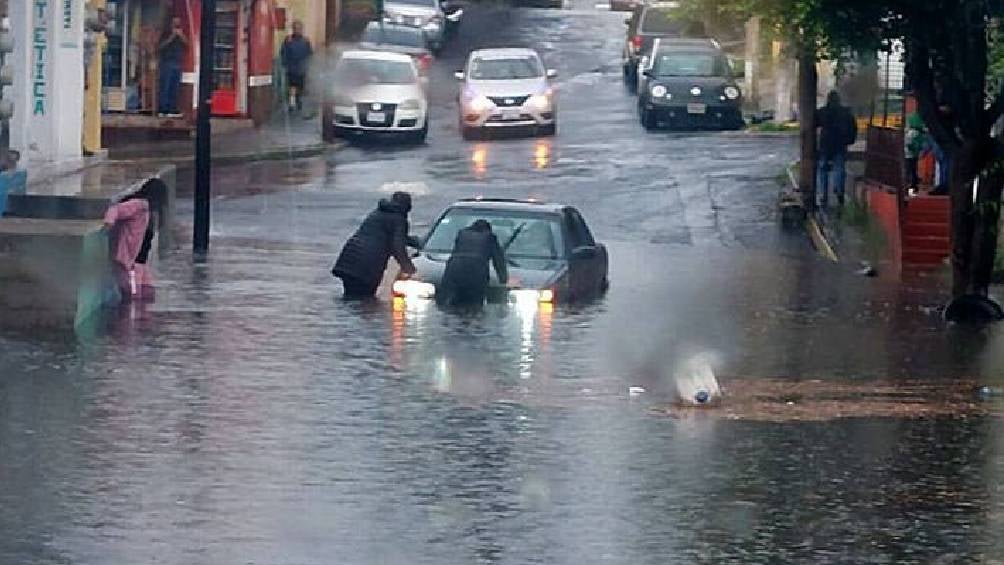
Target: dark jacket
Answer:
[[467, 268], [295, 52], [384, 233], [838, 127]]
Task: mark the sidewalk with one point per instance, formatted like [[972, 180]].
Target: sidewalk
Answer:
[[285, 137]]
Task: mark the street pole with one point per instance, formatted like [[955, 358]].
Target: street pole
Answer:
[[203, 130]]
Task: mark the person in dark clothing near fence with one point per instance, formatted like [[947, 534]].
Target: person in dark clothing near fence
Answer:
[[296, 52], [384, 233], [465, 281], [838, 131], [172, 52]]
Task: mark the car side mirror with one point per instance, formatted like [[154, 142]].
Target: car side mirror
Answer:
[[459, 75], [627, 21], [584, 253], [552, 73], [648, 73]]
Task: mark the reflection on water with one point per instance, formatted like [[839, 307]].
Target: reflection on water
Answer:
[[251, 415]]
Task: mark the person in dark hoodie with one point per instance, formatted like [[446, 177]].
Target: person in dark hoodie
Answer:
[[384, 233], [838, 131], [465, 280]]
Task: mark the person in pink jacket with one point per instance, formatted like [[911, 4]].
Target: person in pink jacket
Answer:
[[130, 224]]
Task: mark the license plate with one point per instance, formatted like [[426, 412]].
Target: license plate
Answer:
[[697, 108], [511, 115], [376, 117]]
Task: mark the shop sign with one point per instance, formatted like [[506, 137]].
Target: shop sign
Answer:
[[40, 49]]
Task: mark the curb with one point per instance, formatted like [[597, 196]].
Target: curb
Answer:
[[298, 152], [817, 233]]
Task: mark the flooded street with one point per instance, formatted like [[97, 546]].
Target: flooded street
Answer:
[[250, 415]]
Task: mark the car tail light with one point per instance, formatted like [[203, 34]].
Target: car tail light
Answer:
[[424, 62], [636, 42]]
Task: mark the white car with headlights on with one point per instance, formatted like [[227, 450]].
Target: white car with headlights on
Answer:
[[551, 253], [506, 88], [375, 93]]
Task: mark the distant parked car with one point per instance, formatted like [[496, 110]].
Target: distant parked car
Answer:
[[398, 38], [648, 23], [429, 15], [689, 86]]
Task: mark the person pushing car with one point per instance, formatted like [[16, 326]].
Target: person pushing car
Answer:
[[384, 233], [465, 280]]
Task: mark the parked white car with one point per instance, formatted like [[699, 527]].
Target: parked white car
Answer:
[[373, 93], [506, 88]]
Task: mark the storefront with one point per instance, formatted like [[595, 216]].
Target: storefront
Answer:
[[242, 73]]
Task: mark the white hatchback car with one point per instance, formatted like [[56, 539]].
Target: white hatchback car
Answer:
[[375, 92], [505, 88]]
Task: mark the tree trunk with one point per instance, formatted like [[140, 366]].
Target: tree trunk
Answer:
[[974, 220], [807, 84], [985, 231]]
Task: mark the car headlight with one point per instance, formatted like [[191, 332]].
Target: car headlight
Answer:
[[480, 104], [530, 296], [411, 104], [409, 288], [540, 102], [659, 91], [731, 92]]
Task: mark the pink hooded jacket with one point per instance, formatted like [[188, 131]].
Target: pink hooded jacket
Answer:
[[127, 221]]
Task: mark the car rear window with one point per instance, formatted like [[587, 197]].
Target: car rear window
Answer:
[[524, 235], [661, 21], [407, 37]]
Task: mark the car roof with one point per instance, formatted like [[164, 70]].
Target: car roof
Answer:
[[376, 56], [678, 44], [506, 53], [509, 204]]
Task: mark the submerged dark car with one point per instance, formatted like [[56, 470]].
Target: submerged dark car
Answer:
[[690, 86], [551, 253]]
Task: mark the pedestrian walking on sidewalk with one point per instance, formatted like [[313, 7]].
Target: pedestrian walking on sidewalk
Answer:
[[465, 280], [838, 131], [383, 234], [172, 50], [296, 52]]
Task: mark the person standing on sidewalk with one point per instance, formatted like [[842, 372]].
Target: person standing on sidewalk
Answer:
[[383, 234], [838, 131], [915, 145], [172, 49], [296, 52]]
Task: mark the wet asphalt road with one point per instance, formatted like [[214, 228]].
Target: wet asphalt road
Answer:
[[251, 416]]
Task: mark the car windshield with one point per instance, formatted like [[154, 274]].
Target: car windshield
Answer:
[[690, 65], [394, 35], [356, 72], [506, 69], [525, 235]]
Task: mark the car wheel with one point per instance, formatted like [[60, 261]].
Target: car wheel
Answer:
[[648, 120], [423, 133], [549, 130], [604, 285], [469, 134], [631, 81], [328, 130]]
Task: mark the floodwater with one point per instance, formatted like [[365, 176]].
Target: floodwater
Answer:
[[250, 415]]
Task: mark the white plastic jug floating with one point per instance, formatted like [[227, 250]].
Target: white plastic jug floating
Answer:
[[696, 384]]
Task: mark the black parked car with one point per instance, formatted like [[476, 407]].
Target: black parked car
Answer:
[[689, 85]]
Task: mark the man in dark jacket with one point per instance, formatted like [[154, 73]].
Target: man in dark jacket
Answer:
[[838, 130], [465, 281], [295, 53], [384, 233]]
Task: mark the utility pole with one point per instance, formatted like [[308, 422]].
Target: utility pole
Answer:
[[807, 90], [203, 130]]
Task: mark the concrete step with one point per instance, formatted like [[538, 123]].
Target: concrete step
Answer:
[[926, 229], [929, 203], [928, 217], [926, 243], [924, 257]]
